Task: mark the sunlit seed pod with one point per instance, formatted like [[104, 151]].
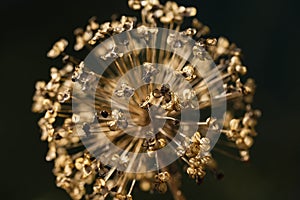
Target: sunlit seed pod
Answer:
[[205, 141], [205, 147], [57, 48], [248, 141], [199, 51], [245, 132], [211, 41], [134, 4], [234, 124], [191, 171], [189, 72], [196, 137], [201, 174], [47, 104], [79, 163], [180, 151], [63, 96], [222, 46], [162, 187], [241, 69], [241, 144], [163, 177], [162, 143], [93, 23], [190, 11], [75, 118], [190, 32], [145, 185]]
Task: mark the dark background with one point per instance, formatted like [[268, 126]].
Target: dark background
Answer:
[[266, 30]]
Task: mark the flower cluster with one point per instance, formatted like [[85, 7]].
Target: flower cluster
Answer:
[[78, 171]]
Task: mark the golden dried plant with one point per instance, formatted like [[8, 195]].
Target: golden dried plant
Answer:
[[152, 80]]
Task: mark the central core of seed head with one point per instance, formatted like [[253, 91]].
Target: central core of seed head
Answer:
[[145, 106]]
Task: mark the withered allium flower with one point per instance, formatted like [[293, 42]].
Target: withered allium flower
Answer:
[[148, 94]]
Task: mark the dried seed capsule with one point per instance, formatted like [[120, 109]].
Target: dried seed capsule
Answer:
[[135, 4], [234, 124], [162, 187], [57, 48]]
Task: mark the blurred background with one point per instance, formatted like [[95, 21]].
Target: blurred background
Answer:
[[268, 32]]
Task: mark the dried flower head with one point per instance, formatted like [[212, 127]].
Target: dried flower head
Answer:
[[123, 115]]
